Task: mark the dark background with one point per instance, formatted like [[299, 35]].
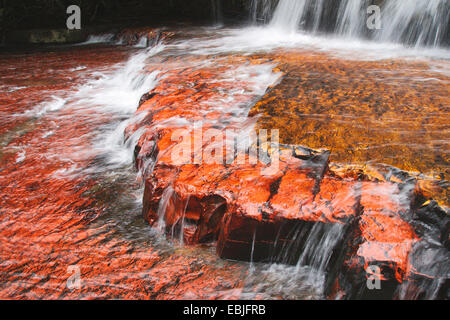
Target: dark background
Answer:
[[102, 15], [37, 14]]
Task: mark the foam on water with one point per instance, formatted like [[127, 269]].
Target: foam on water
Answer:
[[120, 91], [114, 93], [264, 39], [55, 103]]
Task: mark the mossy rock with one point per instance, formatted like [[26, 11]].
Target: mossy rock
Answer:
[[46, 36]]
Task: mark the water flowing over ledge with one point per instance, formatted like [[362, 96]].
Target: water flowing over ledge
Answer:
[[336, 219], [412, 22], [318, 224]]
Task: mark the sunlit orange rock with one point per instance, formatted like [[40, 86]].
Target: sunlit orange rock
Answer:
[[339, 218], [364, 111]]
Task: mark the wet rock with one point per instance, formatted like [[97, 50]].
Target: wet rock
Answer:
[[432, 221], [427, 280], [382, 241], [49, 36], [146, 96], [328, 103], [342, 220], [142, 36]]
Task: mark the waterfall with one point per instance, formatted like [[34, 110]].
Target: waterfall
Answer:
[[289, 14], [318, 14], [216, 7], [261, 10], [415, 22], [352, 17], [411, 22]]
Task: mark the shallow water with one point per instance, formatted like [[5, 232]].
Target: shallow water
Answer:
[[70, 195]]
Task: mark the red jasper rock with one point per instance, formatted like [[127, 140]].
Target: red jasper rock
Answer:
[[382, 239], [340, 220]]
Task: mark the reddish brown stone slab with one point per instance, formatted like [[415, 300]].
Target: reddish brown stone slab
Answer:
[[382, 239], [296, 190], [340, 220]]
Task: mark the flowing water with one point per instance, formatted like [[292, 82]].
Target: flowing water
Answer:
[[71, 197], [414, 22]]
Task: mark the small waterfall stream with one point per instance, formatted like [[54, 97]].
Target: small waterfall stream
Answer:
[[216, 6], [352, 17], [415, 22], [289, 14]]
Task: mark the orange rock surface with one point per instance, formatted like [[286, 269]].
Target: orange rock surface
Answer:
[[266, 218]]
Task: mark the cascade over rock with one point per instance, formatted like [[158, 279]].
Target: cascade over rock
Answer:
[[412, 22], [308, 212]]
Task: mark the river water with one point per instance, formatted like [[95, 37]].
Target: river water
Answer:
[[70, 198]]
